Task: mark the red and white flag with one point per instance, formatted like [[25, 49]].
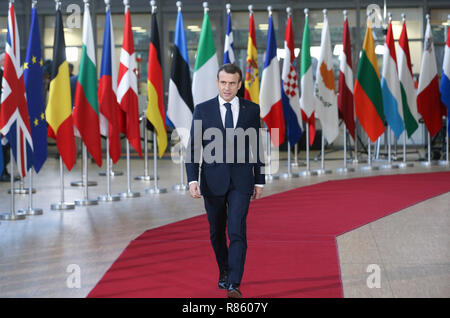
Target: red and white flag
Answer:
[[345, 96], [127, 88], [14, 118], [428, 95]]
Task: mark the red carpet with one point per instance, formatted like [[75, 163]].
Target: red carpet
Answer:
[[292, 248]]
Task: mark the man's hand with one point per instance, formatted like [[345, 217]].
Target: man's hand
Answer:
[[194, 190], [257, 192]]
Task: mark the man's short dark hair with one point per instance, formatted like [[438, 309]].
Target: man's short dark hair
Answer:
[[231, 69]]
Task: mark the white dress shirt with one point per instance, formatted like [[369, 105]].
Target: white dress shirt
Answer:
[[235, 111]]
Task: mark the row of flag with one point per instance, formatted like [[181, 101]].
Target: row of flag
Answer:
[[109, 106]]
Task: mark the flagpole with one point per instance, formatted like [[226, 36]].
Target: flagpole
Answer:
[[82, 181], [155, 189], [12, 216], [389, 165], [85, 201], [369, 166], [129, 193], [30, 210], [108, 197], [345, 169], [181, 186], [288, 174], [307, 172], [146, 176], [269, 176]]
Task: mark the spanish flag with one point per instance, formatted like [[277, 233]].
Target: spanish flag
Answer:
[[59, 106], [367, 91], [155, 109], [251, 69]]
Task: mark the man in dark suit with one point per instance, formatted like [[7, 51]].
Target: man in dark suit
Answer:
[[230, 172]]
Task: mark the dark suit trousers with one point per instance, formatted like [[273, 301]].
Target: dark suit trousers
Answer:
[[230, 258]]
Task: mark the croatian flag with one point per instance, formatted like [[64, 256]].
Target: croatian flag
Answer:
[[14, 119], [228, 54], [445, 80], [289, 91], [270, 92]]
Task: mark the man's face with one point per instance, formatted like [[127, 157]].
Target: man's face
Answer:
[[229, 85]]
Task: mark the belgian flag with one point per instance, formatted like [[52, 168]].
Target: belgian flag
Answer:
[[155, 109], [59, 106]]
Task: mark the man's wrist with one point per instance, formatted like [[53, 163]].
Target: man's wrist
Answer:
[[259, 185], [193, 182]]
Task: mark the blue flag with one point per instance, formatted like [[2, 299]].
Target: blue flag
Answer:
[[228, 56], [34, 86], [1, 158]]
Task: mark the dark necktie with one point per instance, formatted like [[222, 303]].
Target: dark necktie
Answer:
[[228, 116]]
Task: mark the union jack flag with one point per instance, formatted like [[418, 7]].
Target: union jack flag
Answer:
[[14, 119]]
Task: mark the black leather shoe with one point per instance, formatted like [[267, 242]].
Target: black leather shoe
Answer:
[[234, 291], [223, 280]]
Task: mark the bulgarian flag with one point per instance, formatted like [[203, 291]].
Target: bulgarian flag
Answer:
[[85, 111], [204, 79], [155, 109], [407, 88], [367, 90], [251, 68], [428, 97]]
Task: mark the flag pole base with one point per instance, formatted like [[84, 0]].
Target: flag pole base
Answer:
[[288, 175], [86, 202], [12, 217], [156, 190], [307, 173], [345, 170], [370, 168], [444, 162], [112, 173], [130, 194], [320, 172], [428, 163], [389, 166], [62, 206], [180, 187], [271, 177], [31, 211], [21, 191], [80, 183], [108, 198], [403, 165], [145, 178]]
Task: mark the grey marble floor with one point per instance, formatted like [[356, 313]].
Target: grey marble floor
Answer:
[[406, 254]]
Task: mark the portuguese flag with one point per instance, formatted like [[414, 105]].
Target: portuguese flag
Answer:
[[59, 108], [85, 111], [155, 109], [367, 91]]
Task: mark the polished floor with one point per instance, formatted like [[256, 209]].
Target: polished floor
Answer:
[[65, 253]]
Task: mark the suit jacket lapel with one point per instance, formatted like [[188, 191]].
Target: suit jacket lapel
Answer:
[[242, 114], [217, 118]]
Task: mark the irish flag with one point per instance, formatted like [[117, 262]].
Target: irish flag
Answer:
[[85, 111], [204, 79], [367, 90], [428, 95], [407, 88], [390, 86]]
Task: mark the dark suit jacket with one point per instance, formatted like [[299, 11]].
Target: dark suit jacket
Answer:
[[217, 176]]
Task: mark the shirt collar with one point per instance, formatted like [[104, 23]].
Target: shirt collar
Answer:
[[234, 101]]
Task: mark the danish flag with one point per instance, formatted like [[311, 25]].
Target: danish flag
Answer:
[[14, 119]]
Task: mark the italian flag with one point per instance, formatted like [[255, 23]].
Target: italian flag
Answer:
[[85, 112], [204, 79]]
